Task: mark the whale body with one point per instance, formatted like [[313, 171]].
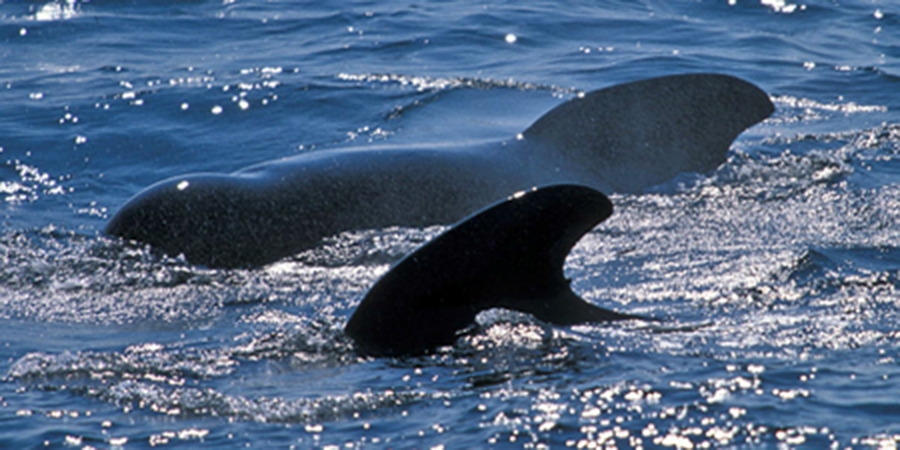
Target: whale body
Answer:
[[620, 139], [509, 255]]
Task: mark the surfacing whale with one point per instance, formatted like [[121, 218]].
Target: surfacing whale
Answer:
[[509, 255], [620, 139]]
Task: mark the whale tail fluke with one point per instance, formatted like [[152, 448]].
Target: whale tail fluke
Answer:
[[509, 255], [644, 133]]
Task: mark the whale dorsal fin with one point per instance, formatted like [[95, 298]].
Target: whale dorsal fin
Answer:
[[509, 255], [644, 133]]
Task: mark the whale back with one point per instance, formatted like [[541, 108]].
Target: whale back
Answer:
[[636, 135], [620, 139], [509, 255]]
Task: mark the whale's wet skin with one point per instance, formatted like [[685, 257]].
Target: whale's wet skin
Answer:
[[773, 274], [624, 138]]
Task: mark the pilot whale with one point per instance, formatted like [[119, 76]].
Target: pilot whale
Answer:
[[509, 256], [623, 138]]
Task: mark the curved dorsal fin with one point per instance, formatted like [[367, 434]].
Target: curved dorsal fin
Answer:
[[509, 255], [636, 135]]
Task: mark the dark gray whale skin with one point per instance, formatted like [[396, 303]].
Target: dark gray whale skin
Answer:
[[620, 139], [509, 255]]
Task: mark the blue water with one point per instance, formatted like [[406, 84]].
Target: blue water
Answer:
[[777, 275]]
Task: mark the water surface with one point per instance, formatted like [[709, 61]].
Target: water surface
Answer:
[[776, 276]]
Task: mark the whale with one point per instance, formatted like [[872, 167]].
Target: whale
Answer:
[[509, 255], [621, 139]]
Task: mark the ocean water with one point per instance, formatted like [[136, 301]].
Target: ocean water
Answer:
[[777, 276]]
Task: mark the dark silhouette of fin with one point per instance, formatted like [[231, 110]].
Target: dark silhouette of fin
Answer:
[[635, 135], [509, 255]]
